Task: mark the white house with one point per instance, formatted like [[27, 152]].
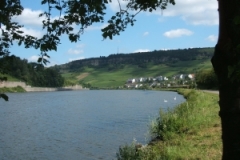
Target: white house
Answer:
[[159, 78], [181, 76], [133, 80], [141, 79], [165, 79], [191, 76]]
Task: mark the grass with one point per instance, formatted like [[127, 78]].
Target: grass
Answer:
[[9, 78], [102, 77], [190, 131], [11, 90]]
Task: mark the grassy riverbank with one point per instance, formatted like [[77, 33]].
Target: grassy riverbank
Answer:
[[11, 90], [190, 131]]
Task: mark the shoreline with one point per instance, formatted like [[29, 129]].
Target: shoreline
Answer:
[[192, 130], [11, 85], [52, 89]]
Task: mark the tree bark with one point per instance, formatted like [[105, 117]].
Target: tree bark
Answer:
[[225, 61]]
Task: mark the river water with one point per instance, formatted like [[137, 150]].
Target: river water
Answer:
[[77, 125]]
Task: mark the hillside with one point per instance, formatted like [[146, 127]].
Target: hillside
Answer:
[[14, 68], [114, 70], [114, 61]]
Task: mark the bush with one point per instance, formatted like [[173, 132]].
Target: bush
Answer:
[[207, 79], [128, 152]]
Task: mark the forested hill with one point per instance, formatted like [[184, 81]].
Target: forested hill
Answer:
[[33, 74], [141, 59]]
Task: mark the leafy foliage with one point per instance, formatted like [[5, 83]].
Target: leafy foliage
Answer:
[[207, 79], [128, 152], [4, 96], [9, 8]]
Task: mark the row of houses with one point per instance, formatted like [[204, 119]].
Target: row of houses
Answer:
[[160, 78]]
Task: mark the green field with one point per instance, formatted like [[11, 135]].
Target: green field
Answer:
[[102, 77]]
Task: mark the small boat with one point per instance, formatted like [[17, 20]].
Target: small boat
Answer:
[[174, 98], [165, 100]]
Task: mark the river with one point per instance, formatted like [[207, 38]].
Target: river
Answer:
[[77, 125]]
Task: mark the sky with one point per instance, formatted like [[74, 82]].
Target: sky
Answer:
[[187, 24]]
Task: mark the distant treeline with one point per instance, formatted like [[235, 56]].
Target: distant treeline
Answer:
[[34, 74], [141, 59]]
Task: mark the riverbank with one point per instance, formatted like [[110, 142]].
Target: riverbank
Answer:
[[23, 87], [49, 89], [190, 131], [12, 89]]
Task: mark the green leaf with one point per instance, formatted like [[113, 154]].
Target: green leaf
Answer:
[[4, 96], [19, 31], [58, 7], [237, 20], [238, 47], [110, 36], [39, 59], [70, 28]]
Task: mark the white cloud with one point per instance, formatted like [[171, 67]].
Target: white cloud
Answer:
[[142, 50], [212, 38], [145, 33], [28, 31], [91, 28], [74, 51], [77, 50], [164, 49], [30, 17], [114, 5], [80, 45], [177, 33], [161, 19], [74, 59], [33, 58], [31, 21], [196, 12], [32, 32], [51, 63]]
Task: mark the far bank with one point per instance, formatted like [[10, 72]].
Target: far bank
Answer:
[[23, 87]]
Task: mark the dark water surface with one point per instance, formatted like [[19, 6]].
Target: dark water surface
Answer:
[[77, 125]]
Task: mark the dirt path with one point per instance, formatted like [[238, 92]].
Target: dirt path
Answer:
[[212, 91], [83, 75]]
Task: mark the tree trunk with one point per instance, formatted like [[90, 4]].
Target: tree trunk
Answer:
[[226, 65]]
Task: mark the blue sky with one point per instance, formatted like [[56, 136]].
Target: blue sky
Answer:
[[189, 23]]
